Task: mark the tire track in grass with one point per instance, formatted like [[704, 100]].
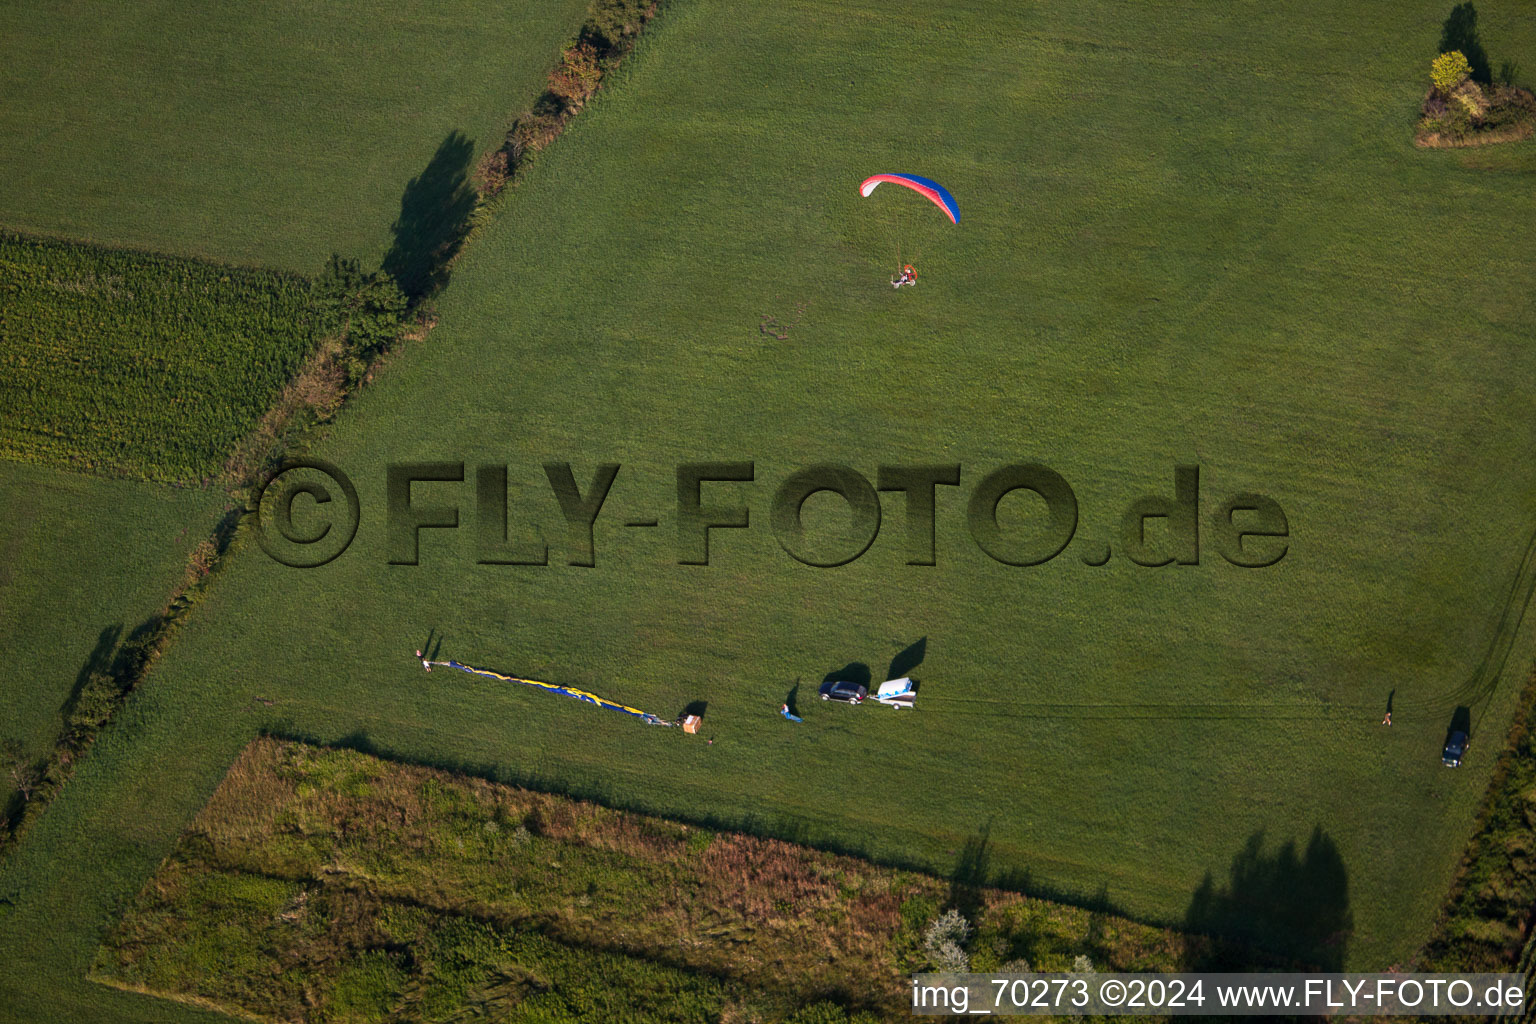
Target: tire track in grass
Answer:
[[1483, 680]]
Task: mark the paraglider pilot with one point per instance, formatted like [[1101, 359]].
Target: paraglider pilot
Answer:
[[907, 276]]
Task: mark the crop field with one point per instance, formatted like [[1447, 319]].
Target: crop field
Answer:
[[256, 133], [1189, 237], [83, 563], [123, 363]]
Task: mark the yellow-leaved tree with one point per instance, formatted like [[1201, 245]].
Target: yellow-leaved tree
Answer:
[[1448, 70]]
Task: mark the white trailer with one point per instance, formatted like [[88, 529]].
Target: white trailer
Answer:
[[897, 693]]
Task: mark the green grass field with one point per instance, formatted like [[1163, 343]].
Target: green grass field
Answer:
[[259, 133], [1187, 238], [149, 366], [83, 563]]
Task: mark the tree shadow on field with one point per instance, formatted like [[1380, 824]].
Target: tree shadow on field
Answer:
[[111, 669], [1289, 904], [360, 741], [1460, 33], [98, 662], [973, 870], [434, 218], [903, 664], [121, 658], [25, 769]]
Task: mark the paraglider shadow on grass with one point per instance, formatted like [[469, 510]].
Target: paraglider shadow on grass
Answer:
[[1280, 907], [434, 218], [792, 698]]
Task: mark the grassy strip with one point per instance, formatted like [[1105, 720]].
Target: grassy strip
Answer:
[[140, 365], [1487, 917], [313, 875], [268, 136], [85, 562]]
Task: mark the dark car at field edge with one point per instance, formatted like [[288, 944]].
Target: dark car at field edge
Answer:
[[852, 693], [1455, 747]]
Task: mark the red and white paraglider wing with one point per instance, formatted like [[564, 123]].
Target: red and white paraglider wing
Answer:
[[926, 187]]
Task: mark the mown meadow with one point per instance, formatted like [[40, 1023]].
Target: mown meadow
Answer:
[[1188, 238], [256, 133]]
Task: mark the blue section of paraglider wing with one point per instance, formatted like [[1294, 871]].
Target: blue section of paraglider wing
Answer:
[[569, 691], [941, 193]]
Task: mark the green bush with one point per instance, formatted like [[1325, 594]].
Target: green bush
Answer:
[[366, 989], [363, 310], [612, 23], [93, 705]]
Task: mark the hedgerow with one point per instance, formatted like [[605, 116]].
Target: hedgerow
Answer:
[[139, 365], [1485, 923]]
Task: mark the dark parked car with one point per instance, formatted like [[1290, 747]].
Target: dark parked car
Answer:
[[1455, 746], [853, 693]]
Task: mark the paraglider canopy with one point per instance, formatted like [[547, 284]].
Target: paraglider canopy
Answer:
[[926, 187]]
